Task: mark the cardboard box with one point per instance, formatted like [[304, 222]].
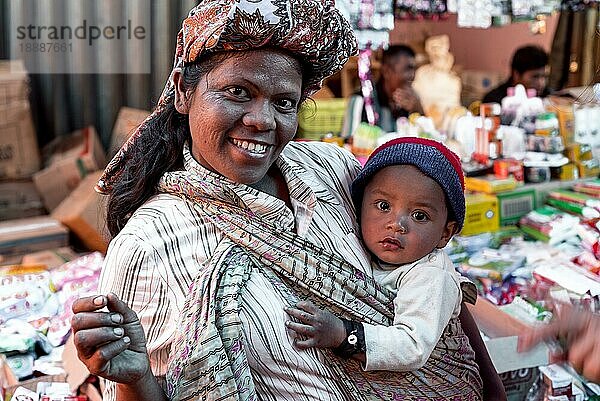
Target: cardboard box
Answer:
[[84, 212], [476, 84], [14, 85], [502, 331], [518, 382], [481, 214], [19, 199], [19, 157], [51, 258], [68, 161], [490, 184], [588, 168], [515, 204], [18, 237], [127, 121]]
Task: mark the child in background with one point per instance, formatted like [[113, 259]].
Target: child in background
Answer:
[[410, 202]]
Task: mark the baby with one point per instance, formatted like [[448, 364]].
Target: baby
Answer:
[[410, 202]]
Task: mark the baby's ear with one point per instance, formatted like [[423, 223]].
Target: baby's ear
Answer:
[[449, 231]]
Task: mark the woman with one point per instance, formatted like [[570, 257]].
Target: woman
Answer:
[[232, 222]]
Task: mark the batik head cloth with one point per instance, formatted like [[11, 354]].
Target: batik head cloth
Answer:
[[312, 30]]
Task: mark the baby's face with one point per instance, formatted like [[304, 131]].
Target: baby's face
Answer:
[[404, 215]]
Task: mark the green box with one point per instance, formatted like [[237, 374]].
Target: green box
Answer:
[[515, 204]]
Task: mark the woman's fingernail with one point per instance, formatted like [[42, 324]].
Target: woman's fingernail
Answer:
[[118, 331], [116, 318], [126, 340], [99, 300]]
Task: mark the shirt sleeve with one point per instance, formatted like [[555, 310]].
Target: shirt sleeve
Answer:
[[427, 298], [131, 272], [469, 290]]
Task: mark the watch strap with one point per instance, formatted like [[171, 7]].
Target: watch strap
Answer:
[[354, 343]]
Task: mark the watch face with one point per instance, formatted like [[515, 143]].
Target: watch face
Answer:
[[352, 339]]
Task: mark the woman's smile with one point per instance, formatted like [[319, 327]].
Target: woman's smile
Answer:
[[253, 148]]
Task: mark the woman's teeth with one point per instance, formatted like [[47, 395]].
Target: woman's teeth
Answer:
[[251, 146]]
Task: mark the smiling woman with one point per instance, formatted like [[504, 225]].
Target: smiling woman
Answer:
[[243, 113], [221, 222]]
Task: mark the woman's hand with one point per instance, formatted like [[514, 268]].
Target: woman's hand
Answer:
[[317, 328], [578, 330], [111, 344], [493, 389]]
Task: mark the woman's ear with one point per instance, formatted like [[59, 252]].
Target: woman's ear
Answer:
[[449, 231], [181, 95]]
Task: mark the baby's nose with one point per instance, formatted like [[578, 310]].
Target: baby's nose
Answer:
[[401, 224]]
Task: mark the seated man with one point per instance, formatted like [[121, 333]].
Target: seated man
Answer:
[[393, 95], [528, 68]]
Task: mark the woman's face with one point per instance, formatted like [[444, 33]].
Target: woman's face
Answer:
[[243, 113]]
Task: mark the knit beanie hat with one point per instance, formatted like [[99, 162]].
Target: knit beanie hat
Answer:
[[432, 158]]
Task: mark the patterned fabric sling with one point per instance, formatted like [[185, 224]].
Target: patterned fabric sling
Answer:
[[208, 360]]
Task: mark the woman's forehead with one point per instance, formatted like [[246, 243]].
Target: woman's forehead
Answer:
[[275, 67]]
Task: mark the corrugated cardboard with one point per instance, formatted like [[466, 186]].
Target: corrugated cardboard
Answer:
[[13, 81], [476, 84], [19, 199], [52, 258], [84, 212], [18, 237], [503, 331], [68, 161], [19, 157], [128, 119]]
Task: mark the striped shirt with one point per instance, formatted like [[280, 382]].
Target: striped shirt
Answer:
[[151, 263]]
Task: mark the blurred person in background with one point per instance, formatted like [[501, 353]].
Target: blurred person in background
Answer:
[[529, 67], [393, 94]]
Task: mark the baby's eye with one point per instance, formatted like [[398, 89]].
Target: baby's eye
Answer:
[[420, 216], [238, 91], [383, 205]]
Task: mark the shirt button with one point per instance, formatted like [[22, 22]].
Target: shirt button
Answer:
[[432, 258]]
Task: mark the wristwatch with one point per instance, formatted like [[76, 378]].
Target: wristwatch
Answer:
[[354, 343]]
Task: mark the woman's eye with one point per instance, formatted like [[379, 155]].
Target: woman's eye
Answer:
[[383, 206], [286, 104], [420, 216], [238, 91]]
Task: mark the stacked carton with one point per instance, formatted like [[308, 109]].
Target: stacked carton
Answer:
[[19, 157]]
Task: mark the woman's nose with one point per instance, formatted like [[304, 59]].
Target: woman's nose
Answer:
[[260, 115]]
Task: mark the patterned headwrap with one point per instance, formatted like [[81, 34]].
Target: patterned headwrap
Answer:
[[312, 30]]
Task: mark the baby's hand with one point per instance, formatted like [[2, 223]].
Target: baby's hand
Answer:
[[319, 328]]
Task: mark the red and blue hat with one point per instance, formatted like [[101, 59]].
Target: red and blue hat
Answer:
[[432, 158]]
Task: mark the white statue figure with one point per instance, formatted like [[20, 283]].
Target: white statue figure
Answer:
[[436, 84]]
